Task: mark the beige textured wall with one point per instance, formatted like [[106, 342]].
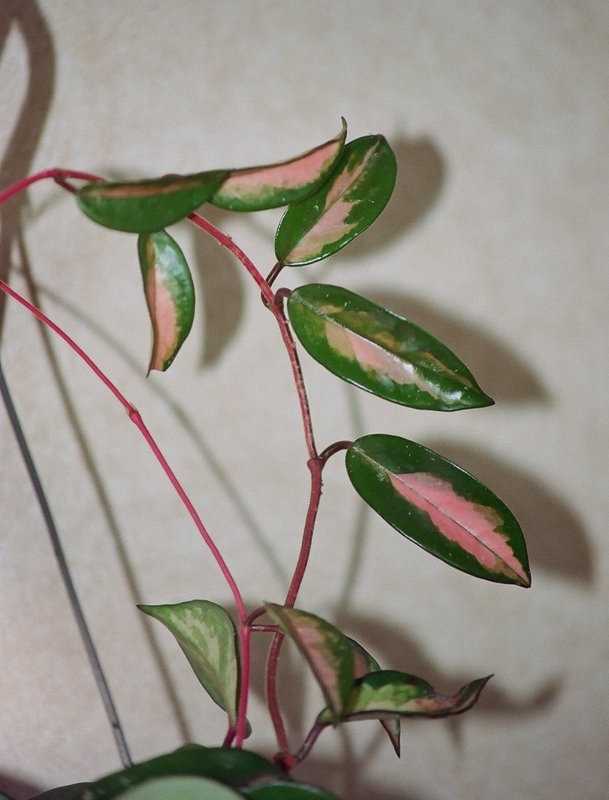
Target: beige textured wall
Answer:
[[496, 241]]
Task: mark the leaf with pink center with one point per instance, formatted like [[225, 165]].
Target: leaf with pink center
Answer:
[[379, 351], [342, 208], [273, 185], [147, 205], [170, 296], [440, 507], [328, 652]]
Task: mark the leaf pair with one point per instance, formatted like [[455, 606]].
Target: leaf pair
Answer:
[[353, 684]]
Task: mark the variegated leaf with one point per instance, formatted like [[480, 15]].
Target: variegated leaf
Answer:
[[287, 790], [439, 506], [342, 208], [379, 351], [230, 766], [207, 636], [170, 295], [363, 663], [148, 205], [389, 693], [272, 185], [180, 787], [328, 652]]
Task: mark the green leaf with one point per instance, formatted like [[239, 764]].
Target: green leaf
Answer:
[[149, 205], [328, 652], [388, 693], [439, 506], [170, 295], [379, 351], [180, 787], [229, 766], [272, 185], [342, 208], [207, 636], [364, 663], [287, 790]]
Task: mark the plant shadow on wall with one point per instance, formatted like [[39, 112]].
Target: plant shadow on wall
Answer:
[[332, 194]]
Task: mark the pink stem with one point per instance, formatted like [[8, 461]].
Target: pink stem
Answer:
[[56, 174], [135, 417]]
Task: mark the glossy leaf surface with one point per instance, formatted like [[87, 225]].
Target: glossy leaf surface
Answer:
[[391, 693], [328, 652], [226, 765], [342, 208], [363, 663], [207, 636], [149, 205], [272, 185], [379, 351], [439, 506], [287, 790], [170, 295], [180, 787]]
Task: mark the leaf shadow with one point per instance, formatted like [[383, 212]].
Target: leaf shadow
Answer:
[[507, 377], [556, 537], [222, 291], [26, 17], [421, 174]]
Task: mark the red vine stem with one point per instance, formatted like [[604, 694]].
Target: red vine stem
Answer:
[[56, 173], [136, 418]]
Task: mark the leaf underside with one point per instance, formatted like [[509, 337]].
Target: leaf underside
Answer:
[[440, 507]]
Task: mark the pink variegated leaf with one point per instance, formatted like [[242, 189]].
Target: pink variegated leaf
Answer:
[[440, 507], [273, 185], [169, 295], [363, 663], [379, 351], [386, 694], [328, 652], [148, 205], [342, 208]]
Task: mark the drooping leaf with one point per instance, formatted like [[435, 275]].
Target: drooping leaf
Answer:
[[363, 663], [170, 295], [272, 185], [180, 787], [388, 693], [148, 205], [287, 790], [327, 651], [379, 351], [229, 766], [439, 506], [207, 636], [342, 208]]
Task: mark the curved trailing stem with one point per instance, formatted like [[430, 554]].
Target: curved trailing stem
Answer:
[[136, 418], [229, 244], [59, 175]]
